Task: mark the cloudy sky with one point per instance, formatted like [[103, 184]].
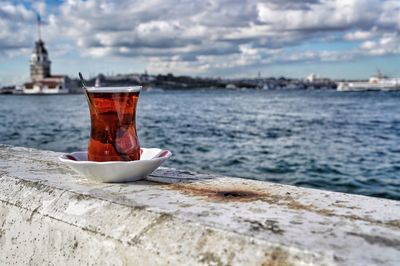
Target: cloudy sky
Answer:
[[227, 38]]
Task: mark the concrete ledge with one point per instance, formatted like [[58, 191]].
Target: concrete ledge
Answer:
[[50, 215]]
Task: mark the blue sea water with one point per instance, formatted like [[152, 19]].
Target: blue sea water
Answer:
[[323, 139]]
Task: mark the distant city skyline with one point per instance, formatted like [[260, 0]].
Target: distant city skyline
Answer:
[[332, 38]]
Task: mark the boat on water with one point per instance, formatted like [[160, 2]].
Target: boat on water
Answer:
[[378, 82]]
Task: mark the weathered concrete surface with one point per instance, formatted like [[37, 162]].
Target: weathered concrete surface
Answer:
[[50, 215]]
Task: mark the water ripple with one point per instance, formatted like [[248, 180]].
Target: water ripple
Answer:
[[323, 139]]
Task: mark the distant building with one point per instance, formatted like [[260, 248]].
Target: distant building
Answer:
[[97, 83], [42, 82], [311, 78]]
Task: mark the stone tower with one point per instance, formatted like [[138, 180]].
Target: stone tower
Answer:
[[40, 63]]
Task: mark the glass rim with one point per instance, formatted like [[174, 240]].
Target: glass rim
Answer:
[[114, 89]]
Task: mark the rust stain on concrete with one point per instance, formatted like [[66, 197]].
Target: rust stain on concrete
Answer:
[[223, 193], [245, 192], [277, 257]]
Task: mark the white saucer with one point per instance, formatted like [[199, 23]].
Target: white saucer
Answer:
[[110, 172]]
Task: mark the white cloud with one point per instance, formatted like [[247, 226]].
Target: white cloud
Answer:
[[360, 35], [368, 45], [15, 29], [204, 36], [389, 43], [323, 15]]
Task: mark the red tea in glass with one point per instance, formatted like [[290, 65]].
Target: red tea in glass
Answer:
[[113, 129]]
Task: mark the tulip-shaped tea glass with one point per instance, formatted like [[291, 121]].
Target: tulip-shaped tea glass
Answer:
[[113, 127]]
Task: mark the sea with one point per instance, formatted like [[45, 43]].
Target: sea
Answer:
[[338, 141]]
